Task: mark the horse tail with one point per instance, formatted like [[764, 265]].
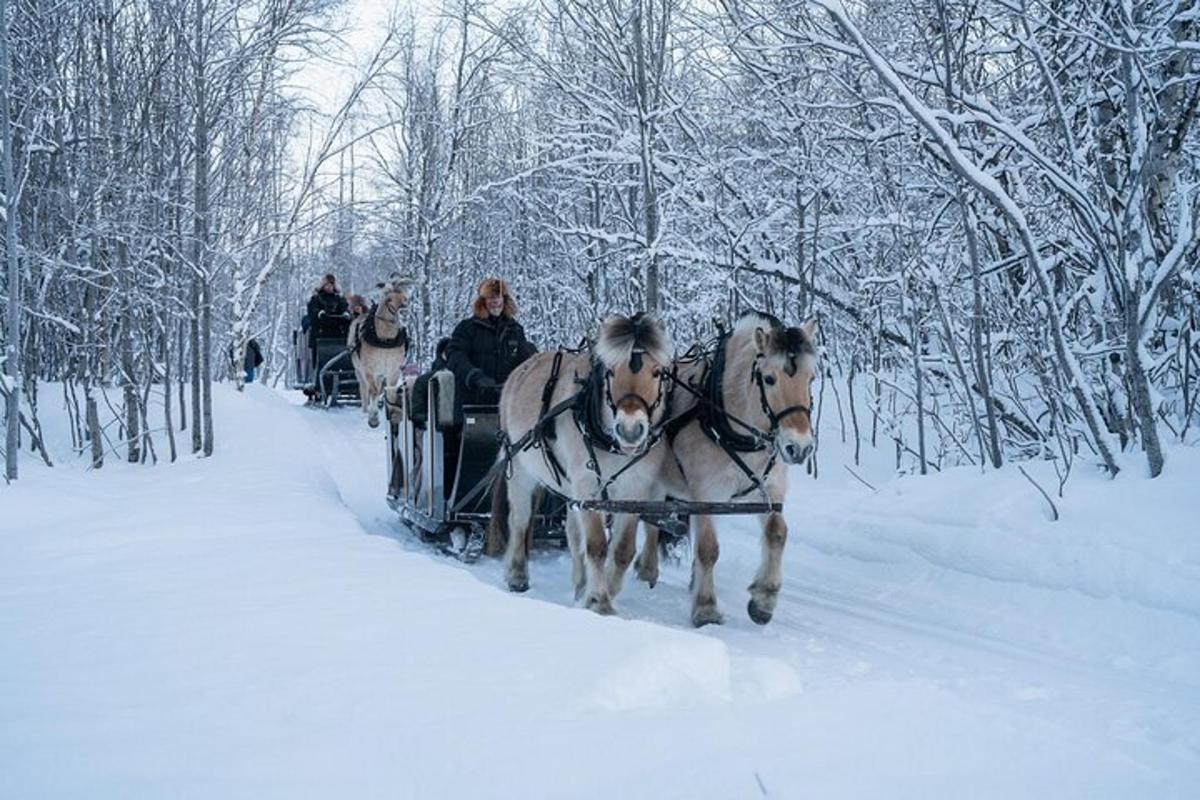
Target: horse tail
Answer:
[[497, 535]]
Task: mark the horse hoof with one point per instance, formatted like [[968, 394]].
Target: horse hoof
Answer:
[[649, 576], [518, 583], [758, 613], [373, 422], [601, 605], [707, 615]]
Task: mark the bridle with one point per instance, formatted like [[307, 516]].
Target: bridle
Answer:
[[661, 375], [387, 303], [773, 417]]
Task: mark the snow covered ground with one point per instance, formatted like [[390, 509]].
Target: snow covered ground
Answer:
[[257, 625]]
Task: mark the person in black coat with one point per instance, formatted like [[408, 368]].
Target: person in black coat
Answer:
[[253, 360], [487, 346], [327, 314], [326, 303], [420, 391]]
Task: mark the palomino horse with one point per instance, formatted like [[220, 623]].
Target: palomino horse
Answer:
[[601, 413], [743, 420], [380, 347]]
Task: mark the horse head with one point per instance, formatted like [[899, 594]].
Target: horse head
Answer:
[[393, 295], [634, 355], [783, 366]]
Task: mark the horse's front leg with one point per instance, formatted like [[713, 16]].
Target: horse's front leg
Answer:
[[371, 400], [575, 542], [624, 546], [647, 560], [520, 516], [704, 591], [596, 597], [764, 591]]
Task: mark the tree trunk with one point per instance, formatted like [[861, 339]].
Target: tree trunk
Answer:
[[13, 317], [202, 339]]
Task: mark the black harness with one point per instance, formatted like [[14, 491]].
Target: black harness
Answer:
[[366, 333], [718, 424], [587, 412]]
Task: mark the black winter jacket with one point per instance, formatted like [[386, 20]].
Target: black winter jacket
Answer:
[[483, 352], [332, 304]]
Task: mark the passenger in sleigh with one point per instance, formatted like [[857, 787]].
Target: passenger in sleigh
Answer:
[[488, 345], [420, 391], [327, 313]]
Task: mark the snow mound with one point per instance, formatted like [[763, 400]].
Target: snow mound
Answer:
[[686, 671]]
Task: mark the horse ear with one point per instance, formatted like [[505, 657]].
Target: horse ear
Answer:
[[760, 340], [810, 329]]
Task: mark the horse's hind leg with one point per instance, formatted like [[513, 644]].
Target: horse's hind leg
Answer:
[[647, 560], [764, 592], [704, 592], [596, 597], [575, 542], [520, 517], [623, 548]]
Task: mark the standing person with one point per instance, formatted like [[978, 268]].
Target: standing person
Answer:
[[254, 359], [488, 345]]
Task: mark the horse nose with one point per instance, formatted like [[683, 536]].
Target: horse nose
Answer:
[[795, 454], [631, 433]]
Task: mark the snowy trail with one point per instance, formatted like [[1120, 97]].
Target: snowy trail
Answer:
[[843, 625], [259, 625]]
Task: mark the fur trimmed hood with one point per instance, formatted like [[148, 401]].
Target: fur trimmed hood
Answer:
[[327, 278], [491, 287]]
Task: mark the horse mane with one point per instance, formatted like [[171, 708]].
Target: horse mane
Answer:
[[394, 283], [621, 336], [784, 342]]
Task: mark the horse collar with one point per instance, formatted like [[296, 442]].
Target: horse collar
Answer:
[[714, 420], [588, 416]]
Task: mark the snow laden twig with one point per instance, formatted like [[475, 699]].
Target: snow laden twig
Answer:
[[990, 188]]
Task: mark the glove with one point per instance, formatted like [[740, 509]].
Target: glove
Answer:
[[480, 382]]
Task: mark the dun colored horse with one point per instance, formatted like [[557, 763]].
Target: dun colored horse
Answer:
[[600, 415], [380, 345], [739, 419]]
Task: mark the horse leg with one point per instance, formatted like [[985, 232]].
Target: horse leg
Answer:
[[596, 596], [647, 560], [575, 541], [764, 591], [371, 400], [704, 592], [360, 372], [624, 546], [520, 517]]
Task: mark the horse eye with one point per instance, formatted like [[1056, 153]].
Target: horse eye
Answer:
[[769, 380]]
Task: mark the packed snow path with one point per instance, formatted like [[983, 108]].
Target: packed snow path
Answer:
[[257, 625]]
